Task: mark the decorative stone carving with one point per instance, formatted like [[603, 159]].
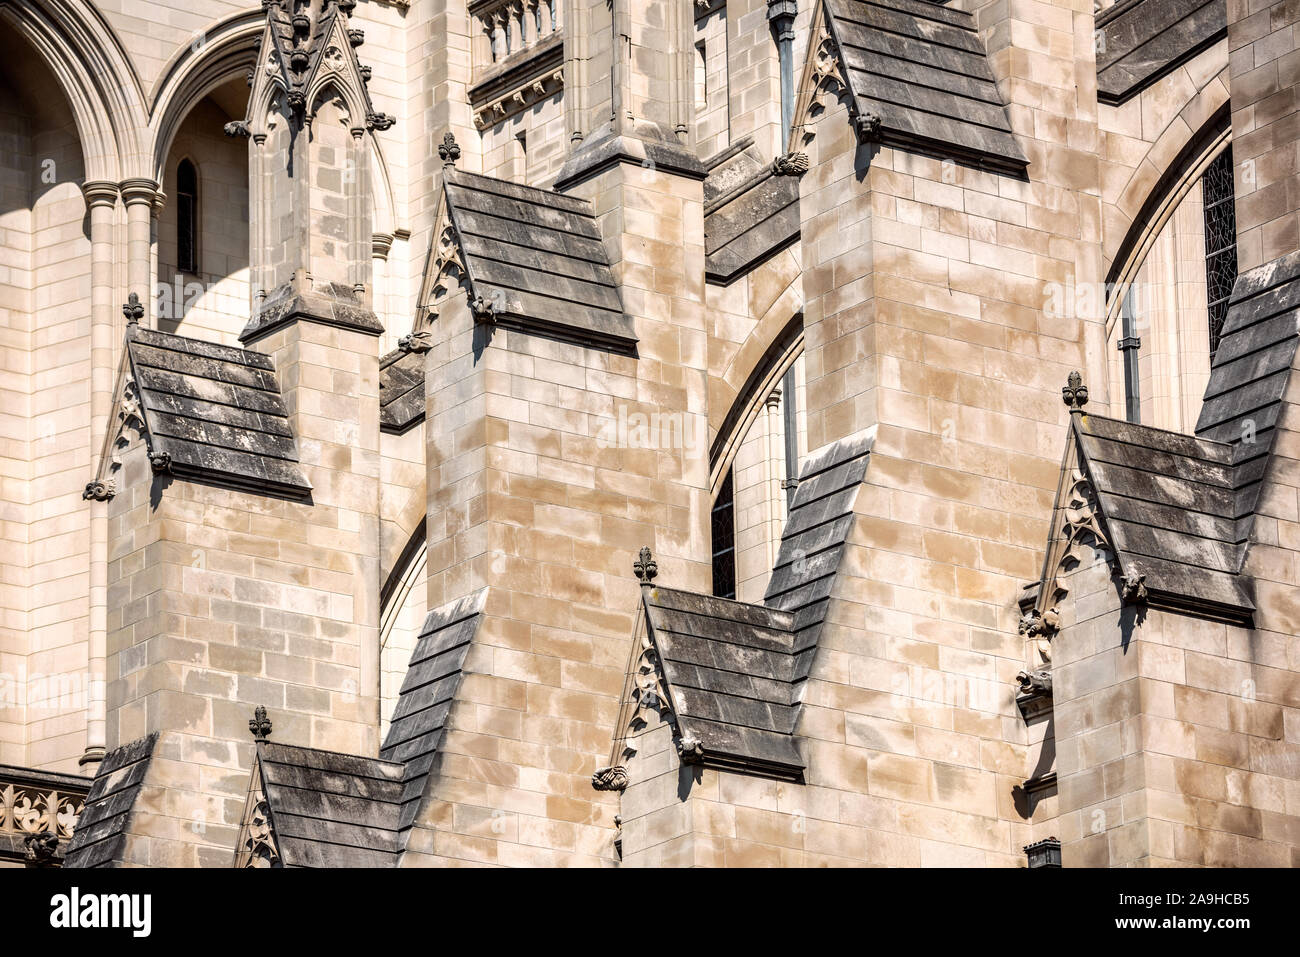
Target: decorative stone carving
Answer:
[[160, 462], [259, 845], [100, 491], [689, 749], [867, 126], [791, 164], [237, 128], [1035, 682], [133, 309], [482, 308], [1074, 393], [32, 807], [612, 778], [260, 725], [1034, 624], [379, 121], [448, 150], [416, 342], [645, 567], [41, 850], [1133, 588]]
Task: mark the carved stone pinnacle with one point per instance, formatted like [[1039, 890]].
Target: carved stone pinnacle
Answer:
[[645, 567], [1074, 394]]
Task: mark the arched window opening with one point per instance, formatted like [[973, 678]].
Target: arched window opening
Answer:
[[1166, 326], [723, 527], [187, 217]]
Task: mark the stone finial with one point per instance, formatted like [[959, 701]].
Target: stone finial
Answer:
[[1074, 393], [448, 151], [260, 725], [645, 566], [133, 309]]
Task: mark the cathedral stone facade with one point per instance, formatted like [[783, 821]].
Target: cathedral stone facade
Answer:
[[665, 433]]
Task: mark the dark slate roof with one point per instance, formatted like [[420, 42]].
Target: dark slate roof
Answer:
[[331, 810], [750, 212], [1250, 370], [1169, 504], [101, 829], [424, 701], [735, 672], [401, 390], [729, 668], [815, 532], [1144, 39], [217, 411], [537, 257], [922, 69]]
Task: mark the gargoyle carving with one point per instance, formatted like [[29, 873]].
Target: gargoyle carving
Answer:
[[612, 778]]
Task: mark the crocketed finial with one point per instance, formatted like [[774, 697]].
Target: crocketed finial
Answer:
[[133, 309], [1075, 394], [645, 566], [448, 151], [260, 725]]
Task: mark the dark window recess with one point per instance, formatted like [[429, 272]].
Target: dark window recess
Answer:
[[1220, 241], [187, 219], [724, 541]]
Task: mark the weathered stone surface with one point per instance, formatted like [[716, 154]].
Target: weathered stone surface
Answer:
[[1142, 40], [217, 412], [920, 70], [535, 259], [100, 834]]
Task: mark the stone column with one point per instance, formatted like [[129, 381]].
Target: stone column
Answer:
[[101, 198], [140, 196]]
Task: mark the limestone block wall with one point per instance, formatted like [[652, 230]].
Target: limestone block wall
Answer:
[[45, 424], [1173, 738], [1261, 44], [530, 147]]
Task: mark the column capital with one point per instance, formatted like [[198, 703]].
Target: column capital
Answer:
[[139, 190], [381, 244], [99, 192]]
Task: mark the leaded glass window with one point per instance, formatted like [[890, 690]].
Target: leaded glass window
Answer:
[[724, 541], [1220, 241]]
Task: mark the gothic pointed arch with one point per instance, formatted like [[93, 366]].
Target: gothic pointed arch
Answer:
[[101, 87], [228, 50]]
